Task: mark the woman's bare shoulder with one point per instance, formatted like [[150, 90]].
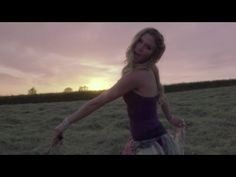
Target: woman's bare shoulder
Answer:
[[139, 73]]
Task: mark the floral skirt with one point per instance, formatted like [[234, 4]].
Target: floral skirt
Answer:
[[167, 144]]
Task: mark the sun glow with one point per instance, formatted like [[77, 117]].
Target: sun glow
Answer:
[[98, 84]]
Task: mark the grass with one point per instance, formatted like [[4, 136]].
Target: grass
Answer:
[[210, 115]]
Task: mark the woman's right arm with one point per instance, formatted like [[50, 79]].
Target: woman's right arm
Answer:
[[82, 112], [125, 84]]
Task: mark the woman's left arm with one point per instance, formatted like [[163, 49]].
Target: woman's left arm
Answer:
[[166, 110], [172, 119]]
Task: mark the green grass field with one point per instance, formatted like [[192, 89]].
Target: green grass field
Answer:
[[210, 115]]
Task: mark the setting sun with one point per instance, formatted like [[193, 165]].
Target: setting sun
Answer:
[[97, 84]]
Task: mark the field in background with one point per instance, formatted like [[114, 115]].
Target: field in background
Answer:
[[210, 115]]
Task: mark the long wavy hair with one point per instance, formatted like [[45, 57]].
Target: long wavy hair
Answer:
[[154, 58]]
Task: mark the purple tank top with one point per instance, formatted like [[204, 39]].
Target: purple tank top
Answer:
[[144, 120]]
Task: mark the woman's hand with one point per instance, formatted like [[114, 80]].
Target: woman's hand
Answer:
[[177, 122], [58, 135], [58, 132]]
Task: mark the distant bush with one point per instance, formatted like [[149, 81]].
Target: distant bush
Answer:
[[83, 88], [32, 91], [68, 90]]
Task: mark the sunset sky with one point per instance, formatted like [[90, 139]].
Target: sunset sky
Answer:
[[52, 56]]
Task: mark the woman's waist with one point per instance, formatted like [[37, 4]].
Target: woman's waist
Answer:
[[146, 130]]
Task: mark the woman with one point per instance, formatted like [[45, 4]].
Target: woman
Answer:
[[141, 89]]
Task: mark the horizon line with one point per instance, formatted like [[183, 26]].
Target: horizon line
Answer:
[[108, 89]]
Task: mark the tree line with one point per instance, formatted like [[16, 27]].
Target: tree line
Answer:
[[84, 94], [33, 90]]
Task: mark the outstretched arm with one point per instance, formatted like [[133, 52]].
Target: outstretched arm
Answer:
[[125, 84]]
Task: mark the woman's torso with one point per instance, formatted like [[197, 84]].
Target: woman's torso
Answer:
[[142, 108]]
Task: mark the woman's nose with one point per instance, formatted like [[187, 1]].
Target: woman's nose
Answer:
[[140, 47]]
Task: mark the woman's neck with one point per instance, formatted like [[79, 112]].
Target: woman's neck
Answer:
[[142, 66]]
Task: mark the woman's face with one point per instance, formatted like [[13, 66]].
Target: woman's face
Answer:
[[144, 48]]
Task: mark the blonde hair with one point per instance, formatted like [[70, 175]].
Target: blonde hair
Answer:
[[150, 63]]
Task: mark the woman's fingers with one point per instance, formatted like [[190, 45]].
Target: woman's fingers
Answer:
[[181, 124], [57, 138], [178, 122]]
